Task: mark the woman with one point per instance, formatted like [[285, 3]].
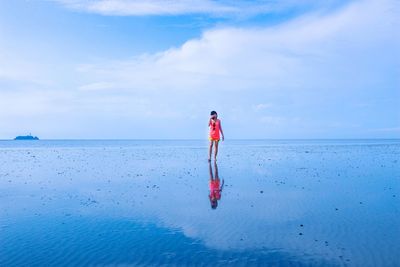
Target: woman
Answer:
[[215, 129]]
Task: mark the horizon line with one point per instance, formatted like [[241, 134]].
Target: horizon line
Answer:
[[204, 139]]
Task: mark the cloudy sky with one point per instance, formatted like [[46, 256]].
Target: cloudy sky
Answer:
[[155, 69]]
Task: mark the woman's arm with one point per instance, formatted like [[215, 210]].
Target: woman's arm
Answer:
[[222, 132]]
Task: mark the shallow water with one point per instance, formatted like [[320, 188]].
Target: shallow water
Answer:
[[146, 203]]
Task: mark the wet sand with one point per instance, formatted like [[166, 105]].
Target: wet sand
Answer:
[[148, 203]]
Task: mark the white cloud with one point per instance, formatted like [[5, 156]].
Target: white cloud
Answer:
[[154, 7], [313, 51], [179, 7], [388, 130], [263, 106], [96, 86]]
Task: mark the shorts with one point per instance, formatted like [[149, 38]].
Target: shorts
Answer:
[[213, 139]]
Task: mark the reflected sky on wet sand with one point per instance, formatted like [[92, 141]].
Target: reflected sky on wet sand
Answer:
[[276, 203]]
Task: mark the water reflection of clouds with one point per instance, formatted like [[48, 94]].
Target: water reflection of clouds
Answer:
[[173, 192]]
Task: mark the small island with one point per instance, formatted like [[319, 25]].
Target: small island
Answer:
[[26, 137]]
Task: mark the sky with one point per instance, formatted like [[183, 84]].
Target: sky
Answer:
[[120, 69]]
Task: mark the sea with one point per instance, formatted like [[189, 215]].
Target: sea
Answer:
[[161, 203]]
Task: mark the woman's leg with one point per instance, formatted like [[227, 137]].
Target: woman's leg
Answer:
[[211, 171], [216, 170], [210, 150], [216, 150]]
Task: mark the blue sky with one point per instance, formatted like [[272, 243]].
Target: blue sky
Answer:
[[155, 69]]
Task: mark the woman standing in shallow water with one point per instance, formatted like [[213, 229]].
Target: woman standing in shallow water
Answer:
[[215, 129]]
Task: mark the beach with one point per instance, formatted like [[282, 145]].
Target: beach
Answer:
[[146, 203]]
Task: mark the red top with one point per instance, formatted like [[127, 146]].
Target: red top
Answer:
[[214, 128]]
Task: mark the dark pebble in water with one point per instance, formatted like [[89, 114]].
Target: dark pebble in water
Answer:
[[261, 191], [336, 209], [300, 233], [301, 225]]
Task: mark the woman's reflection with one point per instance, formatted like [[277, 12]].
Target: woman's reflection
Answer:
[[215, 187]]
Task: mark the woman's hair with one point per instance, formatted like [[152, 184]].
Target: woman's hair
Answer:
[[214, 203], [213, 113]]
